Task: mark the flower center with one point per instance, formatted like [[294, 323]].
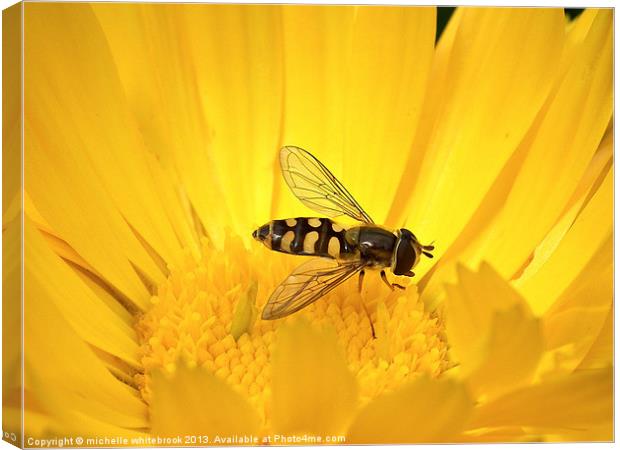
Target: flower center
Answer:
[[207, 314]]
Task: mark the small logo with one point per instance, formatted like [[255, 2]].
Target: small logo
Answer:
[[10, 436]]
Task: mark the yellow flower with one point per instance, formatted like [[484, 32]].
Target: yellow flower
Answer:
[[150, 140]]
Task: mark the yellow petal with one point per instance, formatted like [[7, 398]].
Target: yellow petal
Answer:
[[601, 353], [38, 423], [545, 173], [176, 134], [238, 61], [217, 92], [11, 113], [12, 198], [103, 174], [12, 306], [575, 321], [57, 283], [576, 32], [591, 230], [390, 60], [588, 186], [96, 432], [562, 147], [12, 325], [494, 335], [468, 135], [480, 295], [313, 390], [195, 402], [513, 350], [61, 416], [579, 400], [445, 269], [354, 83], [425, 410], [594, 433], [315, 41], [56, 358], [507, 434]]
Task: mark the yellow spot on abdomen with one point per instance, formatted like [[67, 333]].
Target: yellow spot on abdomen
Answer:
[[291, 222], [315, 223], [286, 241], [334, 247], [310, 240]]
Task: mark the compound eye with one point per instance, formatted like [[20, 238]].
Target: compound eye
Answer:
[[404, 257]]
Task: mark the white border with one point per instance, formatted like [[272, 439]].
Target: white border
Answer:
[[547, 3]]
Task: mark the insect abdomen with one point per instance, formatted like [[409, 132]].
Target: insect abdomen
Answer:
[[304, 236]]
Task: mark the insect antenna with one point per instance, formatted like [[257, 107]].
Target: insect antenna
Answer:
[[429, 247]]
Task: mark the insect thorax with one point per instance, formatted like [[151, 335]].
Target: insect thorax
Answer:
[[374, 244]]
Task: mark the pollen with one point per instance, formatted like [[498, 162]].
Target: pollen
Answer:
[[207, 314]]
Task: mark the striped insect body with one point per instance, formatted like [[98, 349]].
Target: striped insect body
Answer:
[[340, 252], [308, 236]]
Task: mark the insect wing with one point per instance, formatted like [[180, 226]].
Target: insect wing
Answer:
[[316, 186], [306, 284]]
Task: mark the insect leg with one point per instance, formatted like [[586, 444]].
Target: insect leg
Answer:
[[372, 326], [390, 285], [359, 285], [360, 280]]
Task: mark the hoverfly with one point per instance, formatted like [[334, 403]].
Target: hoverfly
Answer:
[[343, 252]]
